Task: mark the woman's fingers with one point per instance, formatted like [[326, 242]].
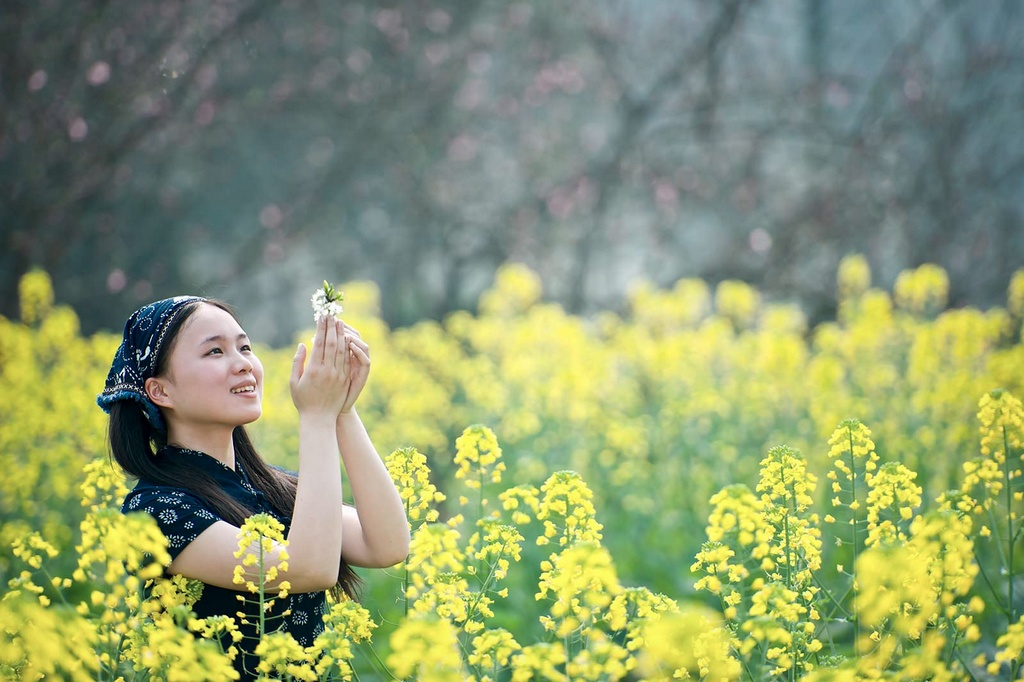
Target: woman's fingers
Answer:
[[331, 344], [357, 340], [360, 350], [319, 341], [297, 365]]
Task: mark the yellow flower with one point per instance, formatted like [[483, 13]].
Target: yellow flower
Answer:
[[891, 499], [35, 294], [923, 291], [902, 592], [785, 481], [495, 544], [540, 661], [691, 644], [738, 302], [346, 623], [1001, 417], [281, 656], [786, 488], [515, 498], [493, 650], [581, 582], [1011, 649], [633, 609], [103, 486], [568, 499], [114, 544], [450, 598], [852, 449], [478, 457], [31, 547], [940, 542], [256, 539], [45, 643], [409, 471], [425, 648], [853, 277], [516, 288], [433, 550]]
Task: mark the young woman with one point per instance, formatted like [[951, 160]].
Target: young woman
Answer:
[[182, 385]]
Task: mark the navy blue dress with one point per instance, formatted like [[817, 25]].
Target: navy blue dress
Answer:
[[182, 516]]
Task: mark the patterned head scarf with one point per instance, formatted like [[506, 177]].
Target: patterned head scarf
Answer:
[[136, 358]]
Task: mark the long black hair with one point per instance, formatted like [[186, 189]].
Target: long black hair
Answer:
[[136, 447]]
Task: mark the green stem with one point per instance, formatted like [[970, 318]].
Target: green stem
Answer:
[[263, 617], [376, 658], [856, 548], [838, 604], [483, 587], [746, 668], [405, 567], [785, 523], [952, 645], [117, 657], [480, 506], [1009, 524], [991, 587], [60, 592], [966, 666]]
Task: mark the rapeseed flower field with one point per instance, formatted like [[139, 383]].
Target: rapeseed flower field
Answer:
[[700, 487]]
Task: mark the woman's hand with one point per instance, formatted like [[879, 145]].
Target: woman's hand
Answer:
[[359, 365], [321, 386]]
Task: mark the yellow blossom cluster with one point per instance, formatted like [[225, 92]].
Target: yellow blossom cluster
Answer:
[[692, 644], [347, 623], [891, 500], [924, 291], [492, 651], [567, 510], [411, 474], [257, 538], [478, 457], [425, 647], [737, 527], [434, 550], [581, 582]]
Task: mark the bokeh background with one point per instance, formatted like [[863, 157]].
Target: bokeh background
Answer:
[[248, 149]]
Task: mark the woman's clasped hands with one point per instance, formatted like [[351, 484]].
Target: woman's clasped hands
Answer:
[[329, 381]]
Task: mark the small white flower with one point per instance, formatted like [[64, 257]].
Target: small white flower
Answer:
[[326, 302]]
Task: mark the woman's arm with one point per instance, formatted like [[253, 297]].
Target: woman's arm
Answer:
[[376, 532]]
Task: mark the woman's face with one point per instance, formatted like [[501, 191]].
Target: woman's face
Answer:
[[213, 378]]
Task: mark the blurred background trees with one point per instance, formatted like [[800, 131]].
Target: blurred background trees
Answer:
[[248, 149]]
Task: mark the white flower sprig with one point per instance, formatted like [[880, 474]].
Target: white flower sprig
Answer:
[[327, 302]]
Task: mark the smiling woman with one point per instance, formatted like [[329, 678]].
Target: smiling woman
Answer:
[[182, 386]]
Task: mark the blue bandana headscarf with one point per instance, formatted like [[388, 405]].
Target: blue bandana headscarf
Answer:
[[136, 358]]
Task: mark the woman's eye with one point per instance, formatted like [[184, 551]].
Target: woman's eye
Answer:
[[247, 348], [213, 351]]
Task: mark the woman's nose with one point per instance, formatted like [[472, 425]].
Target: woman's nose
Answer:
[[244, 364]]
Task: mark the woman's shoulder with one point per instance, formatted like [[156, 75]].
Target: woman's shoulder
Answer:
[[180, 514], [146, 496]]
